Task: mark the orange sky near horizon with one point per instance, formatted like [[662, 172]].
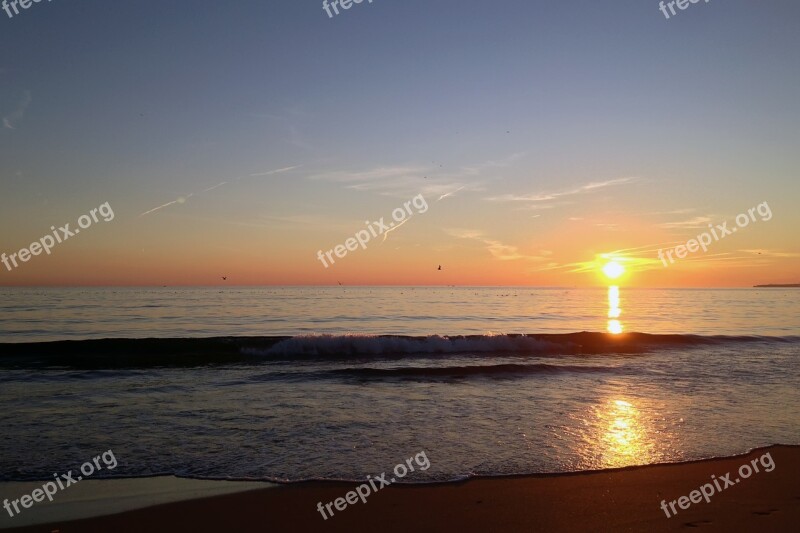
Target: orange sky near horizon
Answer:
[[561, 251]]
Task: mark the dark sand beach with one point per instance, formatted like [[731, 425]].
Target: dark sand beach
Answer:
[[615, 500]]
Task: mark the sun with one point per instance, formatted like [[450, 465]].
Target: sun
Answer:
[[613, 270]]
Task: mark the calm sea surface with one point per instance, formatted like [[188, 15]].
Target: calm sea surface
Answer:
[[338, 383]]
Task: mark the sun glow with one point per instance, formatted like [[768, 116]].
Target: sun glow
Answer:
[[613, 270]]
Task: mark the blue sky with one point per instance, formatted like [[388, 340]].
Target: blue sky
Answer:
[[141, 103]]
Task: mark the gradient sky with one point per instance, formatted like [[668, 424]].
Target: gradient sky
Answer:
[[265, 131]]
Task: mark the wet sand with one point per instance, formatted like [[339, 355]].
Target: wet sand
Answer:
[[612, 500]]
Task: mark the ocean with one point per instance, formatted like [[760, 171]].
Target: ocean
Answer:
[[289, 384]]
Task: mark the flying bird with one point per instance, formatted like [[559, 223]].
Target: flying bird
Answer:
[[224, 278], [440, 267]]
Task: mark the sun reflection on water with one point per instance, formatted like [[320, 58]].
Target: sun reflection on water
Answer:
[[619, 432], [614, 311], [625, 439]]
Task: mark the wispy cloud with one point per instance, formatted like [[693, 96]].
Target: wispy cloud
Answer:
[[403, 181], [498, 249], [632, 262], [645, 257], [294, 121], [308, 219], [372, 175], [299, 222], [696, 222], [10, 121], [550, 196], [184, 199], [541, 207], [683, 211], [645, 248], [434, 180], [278, 171]]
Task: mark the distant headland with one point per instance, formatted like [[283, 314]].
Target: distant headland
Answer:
[[779, 285]]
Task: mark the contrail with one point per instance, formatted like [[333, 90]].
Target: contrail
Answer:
[[180, 200], [386, 233], [183, 199], [276, 171], [442, 197], [214, 187]]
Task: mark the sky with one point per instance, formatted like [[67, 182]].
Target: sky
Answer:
[[246, 139]]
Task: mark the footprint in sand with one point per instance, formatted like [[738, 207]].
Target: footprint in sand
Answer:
[[697, 523], [765, 513]]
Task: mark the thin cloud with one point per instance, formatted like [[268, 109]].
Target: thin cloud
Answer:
[[684, 211], [10, 121], [644, 258], [696, 222], [294, 120], [497, 249], [278, 171], [540, 207], [464, 233], [405, 180], [549, 196], [506, 162], [646, 248]]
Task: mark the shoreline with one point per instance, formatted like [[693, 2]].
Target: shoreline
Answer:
[[620, 499], [92, 498]]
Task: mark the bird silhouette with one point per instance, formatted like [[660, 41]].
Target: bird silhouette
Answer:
[[224, 277], [440, 267]]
